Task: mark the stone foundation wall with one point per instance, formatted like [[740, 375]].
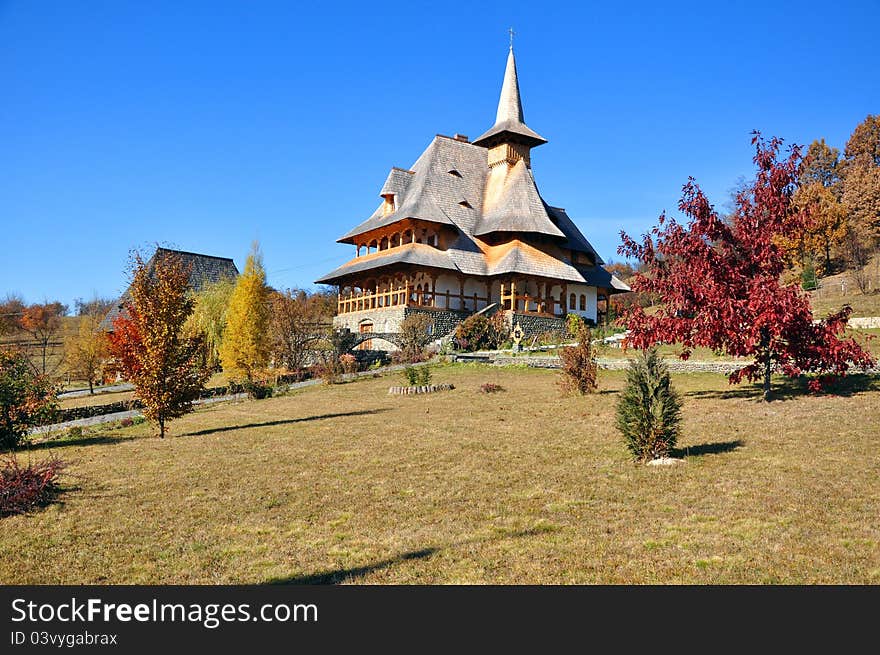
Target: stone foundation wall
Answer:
[[388, 320], [445, 320], [385, 319], [535, 325]]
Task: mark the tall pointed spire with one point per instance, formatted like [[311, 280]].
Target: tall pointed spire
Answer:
[[510, 105], [509, 122]]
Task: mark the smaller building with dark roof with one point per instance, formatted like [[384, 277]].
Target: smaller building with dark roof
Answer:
[[204, 270]]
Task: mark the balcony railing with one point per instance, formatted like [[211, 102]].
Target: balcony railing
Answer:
[[408, 296], [526, 304]]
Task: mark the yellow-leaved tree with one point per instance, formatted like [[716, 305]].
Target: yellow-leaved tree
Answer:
[[244, 350], [86, 350], [826, 220], [209, 318]]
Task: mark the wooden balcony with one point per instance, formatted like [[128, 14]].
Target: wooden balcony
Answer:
[[533, 305], [407, 296]]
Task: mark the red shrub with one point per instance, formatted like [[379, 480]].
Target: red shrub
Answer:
[[23, 488]]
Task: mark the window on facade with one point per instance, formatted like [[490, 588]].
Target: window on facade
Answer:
[[395, 240], [383, 245], [572, 301], [583, 303]]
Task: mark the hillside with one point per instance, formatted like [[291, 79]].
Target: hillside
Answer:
[[841, 289]]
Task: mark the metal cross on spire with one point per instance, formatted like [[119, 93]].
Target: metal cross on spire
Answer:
[[511, 32]]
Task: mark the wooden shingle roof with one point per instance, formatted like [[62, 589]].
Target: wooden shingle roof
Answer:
[[204, 269]]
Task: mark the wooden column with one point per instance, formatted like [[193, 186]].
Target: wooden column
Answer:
[[461, 293]]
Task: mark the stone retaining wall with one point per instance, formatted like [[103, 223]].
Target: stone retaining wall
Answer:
[[675, 365], [869, 322]]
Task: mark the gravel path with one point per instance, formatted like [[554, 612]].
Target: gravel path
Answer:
[[118, 416], [112, 388]]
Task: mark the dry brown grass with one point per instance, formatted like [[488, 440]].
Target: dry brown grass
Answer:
[[346, 483]]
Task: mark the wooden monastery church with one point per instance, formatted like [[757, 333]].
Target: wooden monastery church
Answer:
[[466, 230]]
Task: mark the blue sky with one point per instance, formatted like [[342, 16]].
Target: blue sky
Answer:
[[206, 125]]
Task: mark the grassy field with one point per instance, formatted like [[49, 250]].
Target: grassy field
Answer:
[[349, 484]]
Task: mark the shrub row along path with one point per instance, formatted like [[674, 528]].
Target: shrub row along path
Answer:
[[118, 416]]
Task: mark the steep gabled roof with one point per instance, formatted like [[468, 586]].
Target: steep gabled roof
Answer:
[[425, 192], [518, 207], [204, 269]]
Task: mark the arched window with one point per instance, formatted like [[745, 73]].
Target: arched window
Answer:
[[572, 301], [583, 303], [408, 236], [395, 239], [372, 246], [383, 245]]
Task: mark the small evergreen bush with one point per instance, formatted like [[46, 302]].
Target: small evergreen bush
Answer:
[[649, 408], [417, 376]]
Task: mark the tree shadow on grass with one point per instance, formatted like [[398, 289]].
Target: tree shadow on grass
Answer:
[[287, 421], [787, 389], [85, 440], [344, 575], [715, 448], [338, 576]]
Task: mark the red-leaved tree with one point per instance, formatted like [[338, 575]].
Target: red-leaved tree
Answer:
[[719, 282], [148, 344]]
